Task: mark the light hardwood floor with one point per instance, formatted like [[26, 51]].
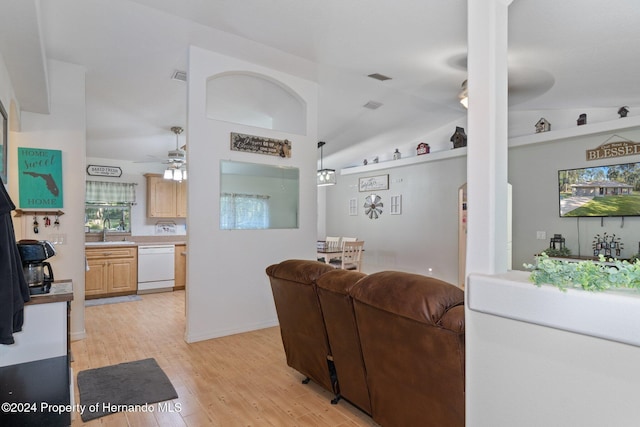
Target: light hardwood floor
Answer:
[[240, 380]]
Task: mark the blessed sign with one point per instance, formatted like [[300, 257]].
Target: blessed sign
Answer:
[[260, 145], [614, 149]]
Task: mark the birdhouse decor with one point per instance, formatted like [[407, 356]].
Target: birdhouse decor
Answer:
[[623, 111], [582, 119], [459, 138], [423, 148], [543, 125]]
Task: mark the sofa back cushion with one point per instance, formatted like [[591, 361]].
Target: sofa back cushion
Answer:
[[411, 330], [340, 321], [304, 337]]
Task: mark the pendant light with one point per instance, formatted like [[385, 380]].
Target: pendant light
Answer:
[[325, 176]]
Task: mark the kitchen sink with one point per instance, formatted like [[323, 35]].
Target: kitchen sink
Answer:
[[114, 243]]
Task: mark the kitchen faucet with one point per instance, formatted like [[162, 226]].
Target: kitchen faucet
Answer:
[[104, 228]]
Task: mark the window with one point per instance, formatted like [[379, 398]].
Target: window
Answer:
[[108, 206], [114, 217], [244, 211]]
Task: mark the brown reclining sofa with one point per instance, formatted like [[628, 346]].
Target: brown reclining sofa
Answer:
[[391, 343]]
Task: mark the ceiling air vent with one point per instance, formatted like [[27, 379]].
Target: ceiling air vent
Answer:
[[372, 105], [378, 76], [179, 75]]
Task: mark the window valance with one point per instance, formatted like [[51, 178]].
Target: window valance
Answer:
[[110, 192]]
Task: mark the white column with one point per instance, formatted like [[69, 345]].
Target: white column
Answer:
[[487, 136]]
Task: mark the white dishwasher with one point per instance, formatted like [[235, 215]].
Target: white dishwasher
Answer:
[[156, 268]]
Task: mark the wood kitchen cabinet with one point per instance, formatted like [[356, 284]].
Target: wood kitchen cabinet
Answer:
[[165, 198], [180, 267], [112, 271]]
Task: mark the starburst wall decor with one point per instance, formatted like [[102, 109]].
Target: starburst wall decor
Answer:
[[373, 206]]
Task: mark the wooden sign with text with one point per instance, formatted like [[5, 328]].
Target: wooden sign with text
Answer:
[[260, 145], [614, 149]]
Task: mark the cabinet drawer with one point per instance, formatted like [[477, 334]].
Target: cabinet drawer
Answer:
[[107, 253]]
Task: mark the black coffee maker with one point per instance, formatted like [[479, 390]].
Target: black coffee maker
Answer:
[[33, 253]]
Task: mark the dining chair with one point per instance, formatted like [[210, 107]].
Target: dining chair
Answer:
[[351, 256], [348, 239], [332, 242]]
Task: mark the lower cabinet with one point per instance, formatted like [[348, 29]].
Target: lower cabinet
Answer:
[[112, 271], [180, 267]]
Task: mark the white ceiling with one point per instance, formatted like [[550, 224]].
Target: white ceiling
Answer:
[[562, 55]]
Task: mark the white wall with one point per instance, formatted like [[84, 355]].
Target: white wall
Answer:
[[133, 172], [63, 129], [228, 289], [424, 236]]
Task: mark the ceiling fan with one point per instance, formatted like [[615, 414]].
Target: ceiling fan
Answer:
[[178, 156], [175, 158]]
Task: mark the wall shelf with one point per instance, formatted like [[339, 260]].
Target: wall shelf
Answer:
[[430, 157], [584, 130], [20, 212], [517, 141]]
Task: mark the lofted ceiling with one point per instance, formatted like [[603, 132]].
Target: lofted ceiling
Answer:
[[562, 55]]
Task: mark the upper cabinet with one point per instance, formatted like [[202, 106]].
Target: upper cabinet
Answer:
[[166, 198]]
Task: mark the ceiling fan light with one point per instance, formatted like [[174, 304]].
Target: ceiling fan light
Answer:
[[463, 96], [184, 174], [177, 175], [168, 173]]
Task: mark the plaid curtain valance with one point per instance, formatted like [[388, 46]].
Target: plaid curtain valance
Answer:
[[110, 192]]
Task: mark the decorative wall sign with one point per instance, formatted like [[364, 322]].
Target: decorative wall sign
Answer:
[[260, 145], [111, 171], [373, 183], [40, 178], [614, 149]]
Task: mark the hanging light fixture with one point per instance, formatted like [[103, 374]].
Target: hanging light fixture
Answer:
[[325, 176], [176, 170], [463, 96]]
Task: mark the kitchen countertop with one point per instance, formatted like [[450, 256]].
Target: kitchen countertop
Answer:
[[128, 243], [61, 291]]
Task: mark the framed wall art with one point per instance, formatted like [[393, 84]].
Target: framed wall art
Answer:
[[260, 145], [40, 178], [3, 143], [396, 205], [373, 183]]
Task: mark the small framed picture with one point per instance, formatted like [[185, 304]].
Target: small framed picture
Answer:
[[396, 205], [353, 207]]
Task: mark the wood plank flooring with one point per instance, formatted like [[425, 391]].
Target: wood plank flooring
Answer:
[[240, 380]]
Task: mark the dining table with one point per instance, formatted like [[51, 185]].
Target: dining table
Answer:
[[329, 253]]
